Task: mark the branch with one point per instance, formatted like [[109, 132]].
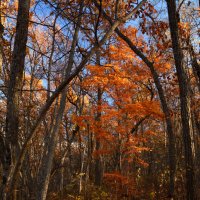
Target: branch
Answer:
[[47, 105], [138, 124]]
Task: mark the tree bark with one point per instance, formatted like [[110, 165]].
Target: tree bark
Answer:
[[1, 38], [16, 72], [46, 106], [184, 100], [98, 119], [15, 84]]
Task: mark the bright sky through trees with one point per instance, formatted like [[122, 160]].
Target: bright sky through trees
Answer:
[[99, 99]]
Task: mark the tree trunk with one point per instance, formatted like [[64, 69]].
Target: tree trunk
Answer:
[[184, 100], [47, 105], [47, 162], [16, 72], [98, 119], [15, 84], [1, 38], [171, 136], [97, 159]]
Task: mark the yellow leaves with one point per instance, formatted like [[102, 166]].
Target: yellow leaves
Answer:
[[184, 25], [153, 107], [136, 149], [115, 76], [81, 121], [136, 108]]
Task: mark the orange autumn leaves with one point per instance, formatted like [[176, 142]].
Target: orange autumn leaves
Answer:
[[128, 96], [124, 102]]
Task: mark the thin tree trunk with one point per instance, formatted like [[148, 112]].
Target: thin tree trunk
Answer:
[[184, 100], [51, 59], [61, 187], [46, 106], [90, 151], [98, 119], [195, 64], [82, 160], [47, 162], [1, 38]]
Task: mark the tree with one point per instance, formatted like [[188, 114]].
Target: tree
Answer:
[[171, 148], [15, 85], [98, 111], [45, 108], [184, 99]]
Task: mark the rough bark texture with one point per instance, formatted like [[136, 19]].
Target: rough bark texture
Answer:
[[15, 83], [16, 71], [184, 100]]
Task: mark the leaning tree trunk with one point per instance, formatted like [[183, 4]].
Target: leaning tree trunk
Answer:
[[165, 108], [43, 111], [45, 171], [184, 99], [15, 84]]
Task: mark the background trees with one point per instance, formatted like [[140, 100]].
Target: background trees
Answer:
[[90, 101]]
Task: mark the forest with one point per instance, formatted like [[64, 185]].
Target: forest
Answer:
[[99, 100]]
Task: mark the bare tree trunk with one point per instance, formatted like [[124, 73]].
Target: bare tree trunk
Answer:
[[82, 160], [171, 136], [16, 168], [89, 152], [184, 100], [16, 72], [98, 119], [47, 162], [1, 38], [15, 84], [51, 59], [62, 175]]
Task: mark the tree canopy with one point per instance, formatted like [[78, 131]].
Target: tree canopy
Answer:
[[99, 99]]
